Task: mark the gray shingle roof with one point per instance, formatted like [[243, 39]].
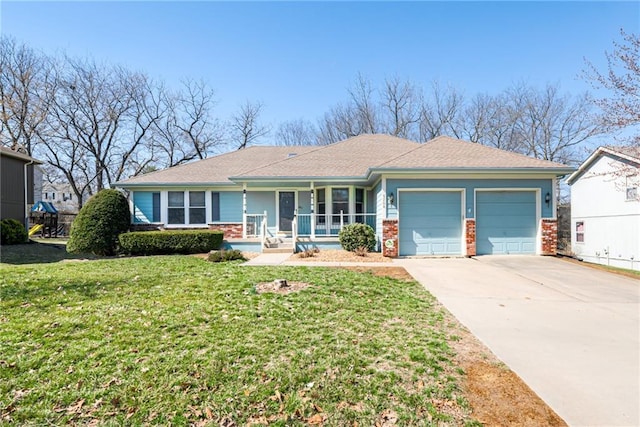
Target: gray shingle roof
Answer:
[[353, 157], [447, 152], [217, 169]]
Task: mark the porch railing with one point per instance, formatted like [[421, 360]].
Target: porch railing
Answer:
[[308, 225], [253, 224], [330, 224]]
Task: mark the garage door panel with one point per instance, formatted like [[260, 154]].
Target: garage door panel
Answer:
[[430, 223], [506, 222]]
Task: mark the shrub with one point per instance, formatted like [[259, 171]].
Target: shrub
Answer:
[[170, 242], [98, 224], [225, 255], [354, 236], [12, 232]]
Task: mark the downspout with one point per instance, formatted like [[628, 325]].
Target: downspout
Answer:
[[26, 196]]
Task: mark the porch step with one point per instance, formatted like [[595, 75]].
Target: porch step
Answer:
[[278, 245]]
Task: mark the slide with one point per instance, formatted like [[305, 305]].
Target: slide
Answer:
[[33, 230]]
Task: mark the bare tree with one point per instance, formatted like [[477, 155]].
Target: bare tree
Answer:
[[245, 126], [296, 132], [439, 112], [621, 107], [401, 108], [186, 129], [98, 124], [550, 125], [363, 106], [23, 110]]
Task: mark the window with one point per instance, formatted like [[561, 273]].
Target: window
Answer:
[[197, 211], [359, 204], [215, 206], [340, 201], [632, 193], [53, 196], [322, 206], [176, 207], [580, 231], [46, 196]]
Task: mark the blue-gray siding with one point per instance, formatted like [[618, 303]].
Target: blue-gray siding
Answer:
[[230, 206], [430, 222], [506, 222], [260, 201]]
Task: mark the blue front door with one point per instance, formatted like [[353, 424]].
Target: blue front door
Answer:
[[430, 222], [505, 222]]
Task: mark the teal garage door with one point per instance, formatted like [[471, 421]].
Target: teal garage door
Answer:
[[505, 222], [430, 222]]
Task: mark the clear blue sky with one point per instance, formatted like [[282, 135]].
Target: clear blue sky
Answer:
[[298, 58]]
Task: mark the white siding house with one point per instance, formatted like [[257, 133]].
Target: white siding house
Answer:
[[605, 208]]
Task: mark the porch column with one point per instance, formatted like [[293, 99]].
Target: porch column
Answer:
[[244, 211], [313, 216]]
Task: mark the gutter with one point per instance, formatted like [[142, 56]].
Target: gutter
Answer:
[[26, 195]]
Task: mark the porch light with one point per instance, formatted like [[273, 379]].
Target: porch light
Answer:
[[547, 198], [390, 199]]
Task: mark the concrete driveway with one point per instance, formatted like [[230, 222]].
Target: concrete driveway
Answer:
[[569, 331]]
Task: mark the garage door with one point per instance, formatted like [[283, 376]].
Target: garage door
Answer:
[[505, 222], [430, 223]]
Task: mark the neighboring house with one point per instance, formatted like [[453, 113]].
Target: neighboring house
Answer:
[[605, 207], [61, 196], [16, 183], [443, 197]]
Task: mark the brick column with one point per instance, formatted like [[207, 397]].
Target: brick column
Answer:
[[549, 232], [470, 236], [390, 238]]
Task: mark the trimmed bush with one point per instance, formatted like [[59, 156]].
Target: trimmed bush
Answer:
[[12, 232], [356, 236], [170, 242], [225, 255], [98, 224]]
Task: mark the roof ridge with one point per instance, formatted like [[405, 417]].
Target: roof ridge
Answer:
[[419, 146], [285, 159]]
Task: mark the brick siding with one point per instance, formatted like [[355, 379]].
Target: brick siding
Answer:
[[549, 233], [470, 236], [231, 231]]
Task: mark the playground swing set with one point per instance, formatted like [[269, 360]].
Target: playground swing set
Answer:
[[44, 220]]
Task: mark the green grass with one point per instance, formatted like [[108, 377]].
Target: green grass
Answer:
[[38, 251], [178, 340]]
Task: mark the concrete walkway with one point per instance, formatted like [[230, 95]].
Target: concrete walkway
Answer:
[[569, 331], [269, 259]]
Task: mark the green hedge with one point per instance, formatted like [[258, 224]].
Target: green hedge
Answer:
[[170, 242], [12, 232]]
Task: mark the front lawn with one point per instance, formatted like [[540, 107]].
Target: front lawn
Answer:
[[178, 340]]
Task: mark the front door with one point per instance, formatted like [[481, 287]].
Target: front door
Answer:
[[286, 210]]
